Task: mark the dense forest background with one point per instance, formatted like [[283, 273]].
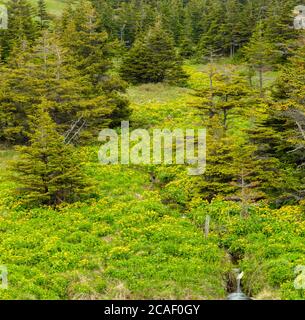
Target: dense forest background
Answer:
[[72, 228]]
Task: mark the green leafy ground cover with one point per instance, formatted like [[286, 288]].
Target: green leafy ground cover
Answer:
[[130, 243]]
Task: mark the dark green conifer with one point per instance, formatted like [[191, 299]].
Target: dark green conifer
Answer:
[[153, 59], [47, 170]]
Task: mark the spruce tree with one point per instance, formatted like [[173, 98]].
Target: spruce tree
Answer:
[[153, 59], [232, 28], [220, 172], [196, 11], [279, 179], [47, 170], [42, 14], [278, 26], [21, 26], [92, 52], [260, 54], [287, 119], [212, 36], [290, 103], [89, 47], [227, 95], [17, 98], [186, 44], [32, 73]]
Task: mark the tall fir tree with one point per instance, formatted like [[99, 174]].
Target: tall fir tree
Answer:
[[211, 38], [42, 14], [260, 54], [92, 51], [47, 170], [21, 26], [153, 59]]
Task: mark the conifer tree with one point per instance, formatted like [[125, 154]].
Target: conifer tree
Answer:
[[230, 94], [90, 48], [171, 12], [186, 43], [42, 14], [48, 170], [212, 38], [46, 70], [278, 178], [33, 73], [196, 11], [92, 52], [131, 19], [232, 27], [153, 59], [290, 102], [278, 26], [227, 94], [21, 26], [220, 172], [286, 120], [257, 175], [260, 54], [16, 96]]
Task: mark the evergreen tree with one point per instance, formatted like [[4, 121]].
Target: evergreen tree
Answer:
[[33, 73], [171, 12], [90, 48], [220, 172], [279, 179], [106, 13], [42, 14], [186, 44], [233, 27], [226, 95], [92, 52], [212, 37], [48, 170], [230, 95], [133, 18], [278, 24], [260, 54], [21, 26], [196, 11], [16, 98], [287, 118], [48, 71], [153, 59]]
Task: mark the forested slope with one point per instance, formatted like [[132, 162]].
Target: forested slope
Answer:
[[73, 228]]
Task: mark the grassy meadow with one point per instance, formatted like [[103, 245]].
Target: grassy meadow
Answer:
[[54, 7], [126, 244], [130, 242]]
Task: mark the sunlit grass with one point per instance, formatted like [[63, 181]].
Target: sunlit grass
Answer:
[[53, 6]]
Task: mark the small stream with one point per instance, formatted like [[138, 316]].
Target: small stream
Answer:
[[238, 294], [234, 280]]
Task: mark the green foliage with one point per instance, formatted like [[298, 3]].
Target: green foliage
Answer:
[[137, 232], [91, 51], [125, 244], [48, 170], [42, 14], [153, 59], [66, 77], [267, 245], [21, 26], [260, 53]]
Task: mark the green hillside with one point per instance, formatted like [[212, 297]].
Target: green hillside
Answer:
[[204, 196], [127, 244]]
